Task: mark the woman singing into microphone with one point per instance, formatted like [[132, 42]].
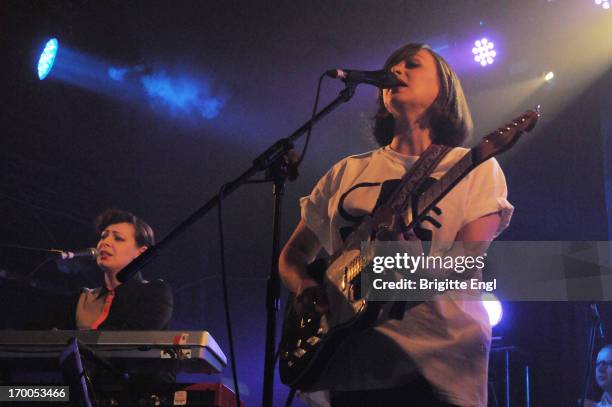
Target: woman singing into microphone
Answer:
[[134, 305], [434, 353]]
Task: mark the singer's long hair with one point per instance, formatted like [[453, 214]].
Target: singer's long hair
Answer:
[[143, 233], [448, 117]]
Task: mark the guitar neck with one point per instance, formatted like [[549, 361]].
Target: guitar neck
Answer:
[[444, 185], [493, 144]]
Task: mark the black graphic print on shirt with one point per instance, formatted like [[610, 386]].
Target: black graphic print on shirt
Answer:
[[386, 189]]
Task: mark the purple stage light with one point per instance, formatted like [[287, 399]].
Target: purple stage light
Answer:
[[484, 52]]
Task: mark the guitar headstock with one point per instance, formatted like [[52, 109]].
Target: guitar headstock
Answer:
[[506, 136]]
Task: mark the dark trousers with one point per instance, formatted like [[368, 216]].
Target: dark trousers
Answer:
[[417, 393]]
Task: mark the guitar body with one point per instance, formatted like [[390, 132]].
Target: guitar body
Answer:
[[309, 341]]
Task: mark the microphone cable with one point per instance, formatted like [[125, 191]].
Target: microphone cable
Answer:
[[228, 320], [312, 117], [222, 248], [304, 150]]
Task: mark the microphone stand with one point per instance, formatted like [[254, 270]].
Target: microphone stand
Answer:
[[274, 154], [278, 174], [594, 326]]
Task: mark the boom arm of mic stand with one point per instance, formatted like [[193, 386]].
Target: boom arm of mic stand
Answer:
[[262, 162]]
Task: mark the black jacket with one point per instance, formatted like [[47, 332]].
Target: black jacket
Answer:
[[138, 306]]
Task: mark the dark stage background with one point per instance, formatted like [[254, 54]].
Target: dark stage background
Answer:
[[74, 146]]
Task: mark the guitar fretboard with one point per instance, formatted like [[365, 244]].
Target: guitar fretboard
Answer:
[[438, 190]]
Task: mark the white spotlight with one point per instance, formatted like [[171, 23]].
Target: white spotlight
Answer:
[[484, 52], [493, 307], [549, 76]]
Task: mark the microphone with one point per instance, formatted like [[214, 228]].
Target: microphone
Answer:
[[66, 255], [382, 79]]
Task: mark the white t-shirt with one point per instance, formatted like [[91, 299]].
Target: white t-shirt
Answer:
[[446, 340], [606, 400]]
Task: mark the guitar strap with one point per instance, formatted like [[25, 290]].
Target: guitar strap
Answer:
[[389, 218]]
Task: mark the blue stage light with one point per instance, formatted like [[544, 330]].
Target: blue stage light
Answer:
[[182, 94], [122, 73], [493, 307], [47, 57], [117, 74], [484, 52]]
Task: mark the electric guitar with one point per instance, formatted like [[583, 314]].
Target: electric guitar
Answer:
[[310, 339]]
